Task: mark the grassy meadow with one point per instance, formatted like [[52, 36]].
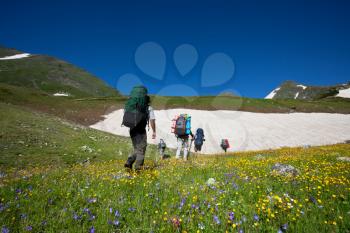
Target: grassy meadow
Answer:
[[56, 176]]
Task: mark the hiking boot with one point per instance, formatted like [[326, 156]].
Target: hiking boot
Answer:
[[128, 166]]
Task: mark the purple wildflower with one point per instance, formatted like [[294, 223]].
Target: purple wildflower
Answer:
[[312, 199], [5, 230], [183, 200], [92, 230], [92, 200], [256, 217], [114, 223], [216, 219], [284, 227], [231, 216], [29, 228], [76, 217], [131, 209], [240, 231], [116, 213], [92, 217], [23, 216], [110, 210]]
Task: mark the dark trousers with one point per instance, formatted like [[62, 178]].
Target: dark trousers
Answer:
[[139, 143]]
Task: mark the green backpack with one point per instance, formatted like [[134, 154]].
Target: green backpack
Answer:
[[136, 108]]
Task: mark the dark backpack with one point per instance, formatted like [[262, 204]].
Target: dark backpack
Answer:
[[180, 126], [224, 144], [136, 108], [199, 138]]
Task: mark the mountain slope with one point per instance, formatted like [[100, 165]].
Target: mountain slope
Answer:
[[50, 74], [293, 90]]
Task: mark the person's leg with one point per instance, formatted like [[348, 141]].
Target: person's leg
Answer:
[[185, 145], [179, 147], [141, 145], [132, 156]]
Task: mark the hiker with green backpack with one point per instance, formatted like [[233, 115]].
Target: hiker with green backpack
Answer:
[[182, 129], [137, 115]]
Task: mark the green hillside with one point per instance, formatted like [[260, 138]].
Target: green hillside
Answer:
[[50, 75], [293, 90]]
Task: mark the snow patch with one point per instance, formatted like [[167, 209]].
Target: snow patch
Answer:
[[244, 130], [345, 93], [302, 86], [272, 93], [296, 95], [17, 56], [61, 94]]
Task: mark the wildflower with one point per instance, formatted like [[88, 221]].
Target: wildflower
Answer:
[[110, 210], [132, 209], [283, 228], [76, 217], [92, 230], [92, 200], [29, 228], [5, 230], [114, 223], [231, 216], [312, 199], [175, 222], [116, 213], [201, 226], [217, 220], [182, 203], [256, 217]]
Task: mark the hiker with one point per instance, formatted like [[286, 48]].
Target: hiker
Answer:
[[161, 148], [182, 130], [224, 144], [137, 115], [198, 139]]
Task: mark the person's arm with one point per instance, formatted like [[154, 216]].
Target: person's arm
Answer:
[[153, 126], [152, 120]]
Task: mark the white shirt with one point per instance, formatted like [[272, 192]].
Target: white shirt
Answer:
[[151, 113]]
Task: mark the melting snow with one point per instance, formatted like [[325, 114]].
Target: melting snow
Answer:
[[272, 93], [245, 130], [17, 56], [296, 95], [345, 93], [304, 87], [61, 94]]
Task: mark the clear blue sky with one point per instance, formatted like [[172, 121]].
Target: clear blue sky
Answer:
[[268, 41]]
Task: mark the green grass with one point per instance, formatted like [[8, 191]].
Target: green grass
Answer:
[[89, 110], [331, 105], [31, 138], [51, 75], [52, 182]]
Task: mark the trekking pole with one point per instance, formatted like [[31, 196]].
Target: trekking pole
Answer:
[[189, 149]]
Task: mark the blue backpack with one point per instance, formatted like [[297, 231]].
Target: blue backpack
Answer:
[[199, 138]]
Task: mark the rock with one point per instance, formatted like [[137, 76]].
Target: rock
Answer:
[[344, 159], [211, 181], [284, 169], [86, 149]]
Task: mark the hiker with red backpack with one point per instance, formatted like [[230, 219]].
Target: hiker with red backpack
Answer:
[[137, 114], [182, 130]]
